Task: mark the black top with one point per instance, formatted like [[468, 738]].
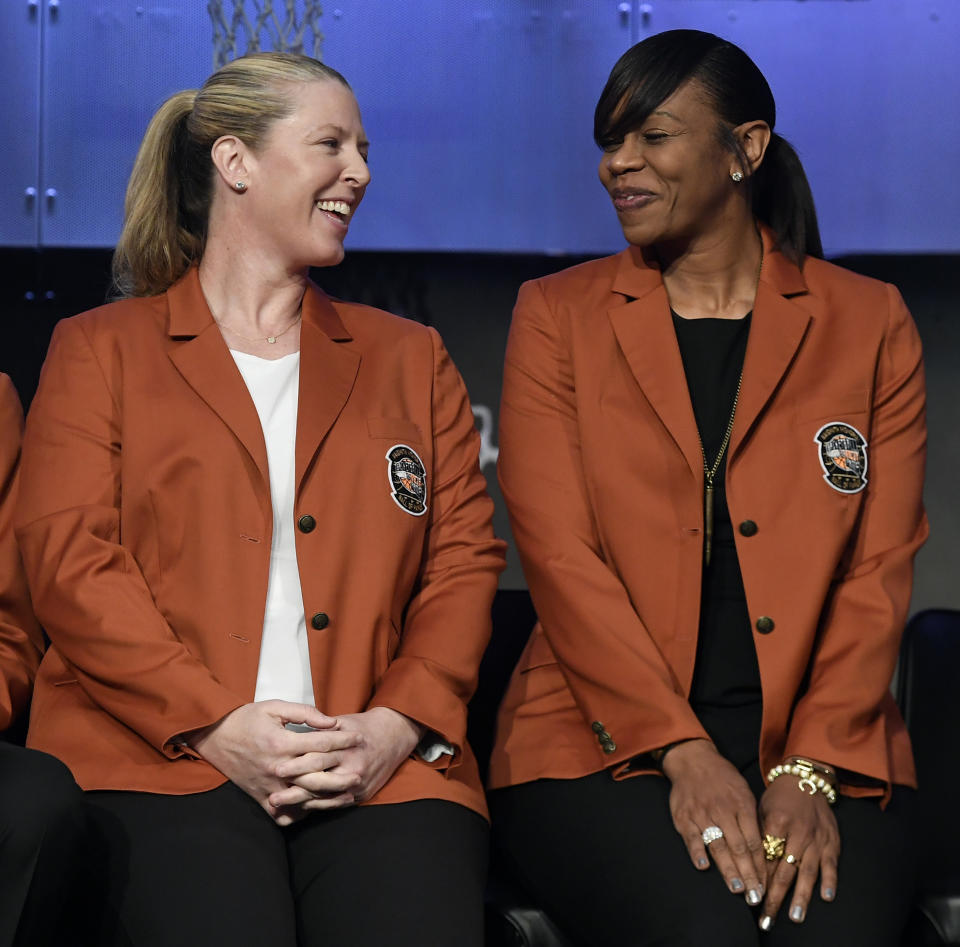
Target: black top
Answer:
[[725, 694]]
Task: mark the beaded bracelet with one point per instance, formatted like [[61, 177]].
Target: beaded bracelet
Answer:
[[809, 780]]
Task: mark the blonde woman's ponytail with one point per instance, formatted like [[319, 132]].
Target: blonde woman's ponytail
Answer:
[[157, 244]]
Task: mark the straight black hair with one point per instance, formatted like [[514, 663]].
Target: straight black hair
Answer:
[[650, 72]]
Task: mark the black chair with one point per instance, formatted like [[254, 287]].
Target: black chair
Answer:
[[929, 696], [512, 920]]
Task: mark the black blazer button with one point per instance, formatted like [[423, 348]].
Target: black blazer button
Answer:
[[597, 726], [609, 747], [307, 523], [748, 528], [765, 625], [320, 621]]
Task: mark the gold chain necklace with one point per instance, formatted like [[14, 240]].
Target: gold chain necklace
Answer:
[[710, 472], [270, 338]]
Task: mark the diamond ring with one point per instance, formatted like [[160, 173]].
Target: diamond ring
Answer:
[[711, 833]]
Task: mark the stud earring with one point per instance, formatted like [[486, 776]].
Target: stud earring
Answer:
[[735, 176], [240, 186]]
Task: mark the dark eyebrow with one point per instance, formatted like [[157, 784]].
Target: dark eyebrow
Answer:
[[668, 114]]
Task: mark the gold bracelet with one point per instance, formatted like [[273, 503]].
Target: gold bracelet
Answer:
[[827, 772], [809, 779]]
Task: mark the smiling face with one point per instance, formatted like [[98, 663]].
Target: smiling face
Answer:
[[305, 182], [669, 179]]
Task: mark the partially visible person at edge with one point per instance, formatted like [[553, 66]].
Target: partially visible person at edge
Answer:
[[258, 537], [41, 811], [712, 451]]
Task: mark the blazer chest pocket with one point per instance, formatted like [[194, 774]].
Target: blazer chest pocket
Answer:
[[396, 430], [834, 437], [850, 407], [401, 445]]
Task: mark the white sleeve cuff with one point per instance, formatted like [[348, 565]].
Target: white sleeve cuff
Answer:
[[431, 748]]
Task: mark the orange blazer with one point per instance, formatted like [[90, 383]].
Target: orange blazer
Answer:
[[602, 472], [145, 524], [21, 641]]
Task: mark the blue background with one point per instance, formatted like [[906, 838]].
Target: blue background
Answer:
[[480, 113]]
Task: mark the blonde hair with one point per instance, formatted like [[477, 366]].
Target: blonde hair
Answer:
[[171, 186]]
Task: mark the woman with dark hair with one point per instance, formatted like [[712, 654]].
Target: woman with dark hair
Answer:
[[712, 451], [257, 534]]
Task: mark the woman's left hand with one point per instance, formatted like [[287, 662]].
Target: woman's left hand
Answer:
[[812, 839], [388, 739]]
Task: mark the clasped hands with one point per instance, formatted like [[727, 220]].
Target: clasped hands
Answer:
[[340, 761], [707, 790]]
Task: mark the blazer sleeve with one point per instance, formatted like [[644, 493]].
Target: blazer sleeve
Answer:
[[447, 621], [88, 590], [618, 676], [21, 640], [862, 624]]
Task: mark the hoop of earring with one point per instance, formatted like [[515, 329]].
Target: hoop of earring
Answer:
[[735, 176], [240, 186]]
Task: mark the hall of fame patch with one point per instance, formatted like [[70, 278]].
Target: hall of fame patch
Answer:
[[408, 479], [843, 456]]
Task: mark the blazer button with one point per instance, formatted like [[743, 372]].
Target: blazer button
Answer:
[[609, 746], [320, 621], [748, 528], [307, 523], [765, 625], [597, 726]]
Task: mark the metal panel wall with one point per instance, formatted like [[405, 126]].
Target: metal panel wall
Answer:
[[107, 65], [480, 111], [20, 36]]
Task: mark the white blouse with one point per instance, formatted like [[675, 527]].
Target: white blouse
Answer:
[[284, 671]]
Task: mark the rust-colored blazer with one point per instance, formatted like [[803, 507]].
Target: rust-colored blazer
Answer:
[[145, 524], [21, 641], [602, 473]]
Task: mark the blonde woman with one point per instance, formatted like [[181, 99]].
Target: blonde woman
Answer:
[[258, 537]]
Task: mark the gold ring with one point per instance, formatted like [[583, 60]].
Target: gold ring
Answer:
[[790, 859], [773, 847]]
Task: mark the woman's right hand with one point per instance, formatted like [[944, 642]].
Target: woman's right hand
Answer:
[[248, 744], [708, 790]]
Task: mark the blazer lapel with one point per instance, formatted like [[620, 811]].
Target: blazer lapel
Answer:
[[204, 361], [328, 370], [776, 330], [645, 333]]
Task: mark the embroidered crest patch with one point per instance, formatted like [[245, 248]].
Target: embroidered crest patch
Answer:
[[843, 456], [408, 479]]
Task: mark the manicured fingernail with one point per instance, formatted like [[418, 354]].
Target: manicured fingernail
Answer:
[[736, 884], [796, 913], [753, 896], [828, 894], [702, 862], [766, 922]]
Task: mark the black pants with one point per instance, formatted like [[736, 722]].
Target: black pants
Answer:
[[41, 846], [603, 859], [213, 868]]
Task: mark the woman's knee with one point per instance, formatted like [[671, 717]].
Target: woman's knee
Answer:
[[40, 801]]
